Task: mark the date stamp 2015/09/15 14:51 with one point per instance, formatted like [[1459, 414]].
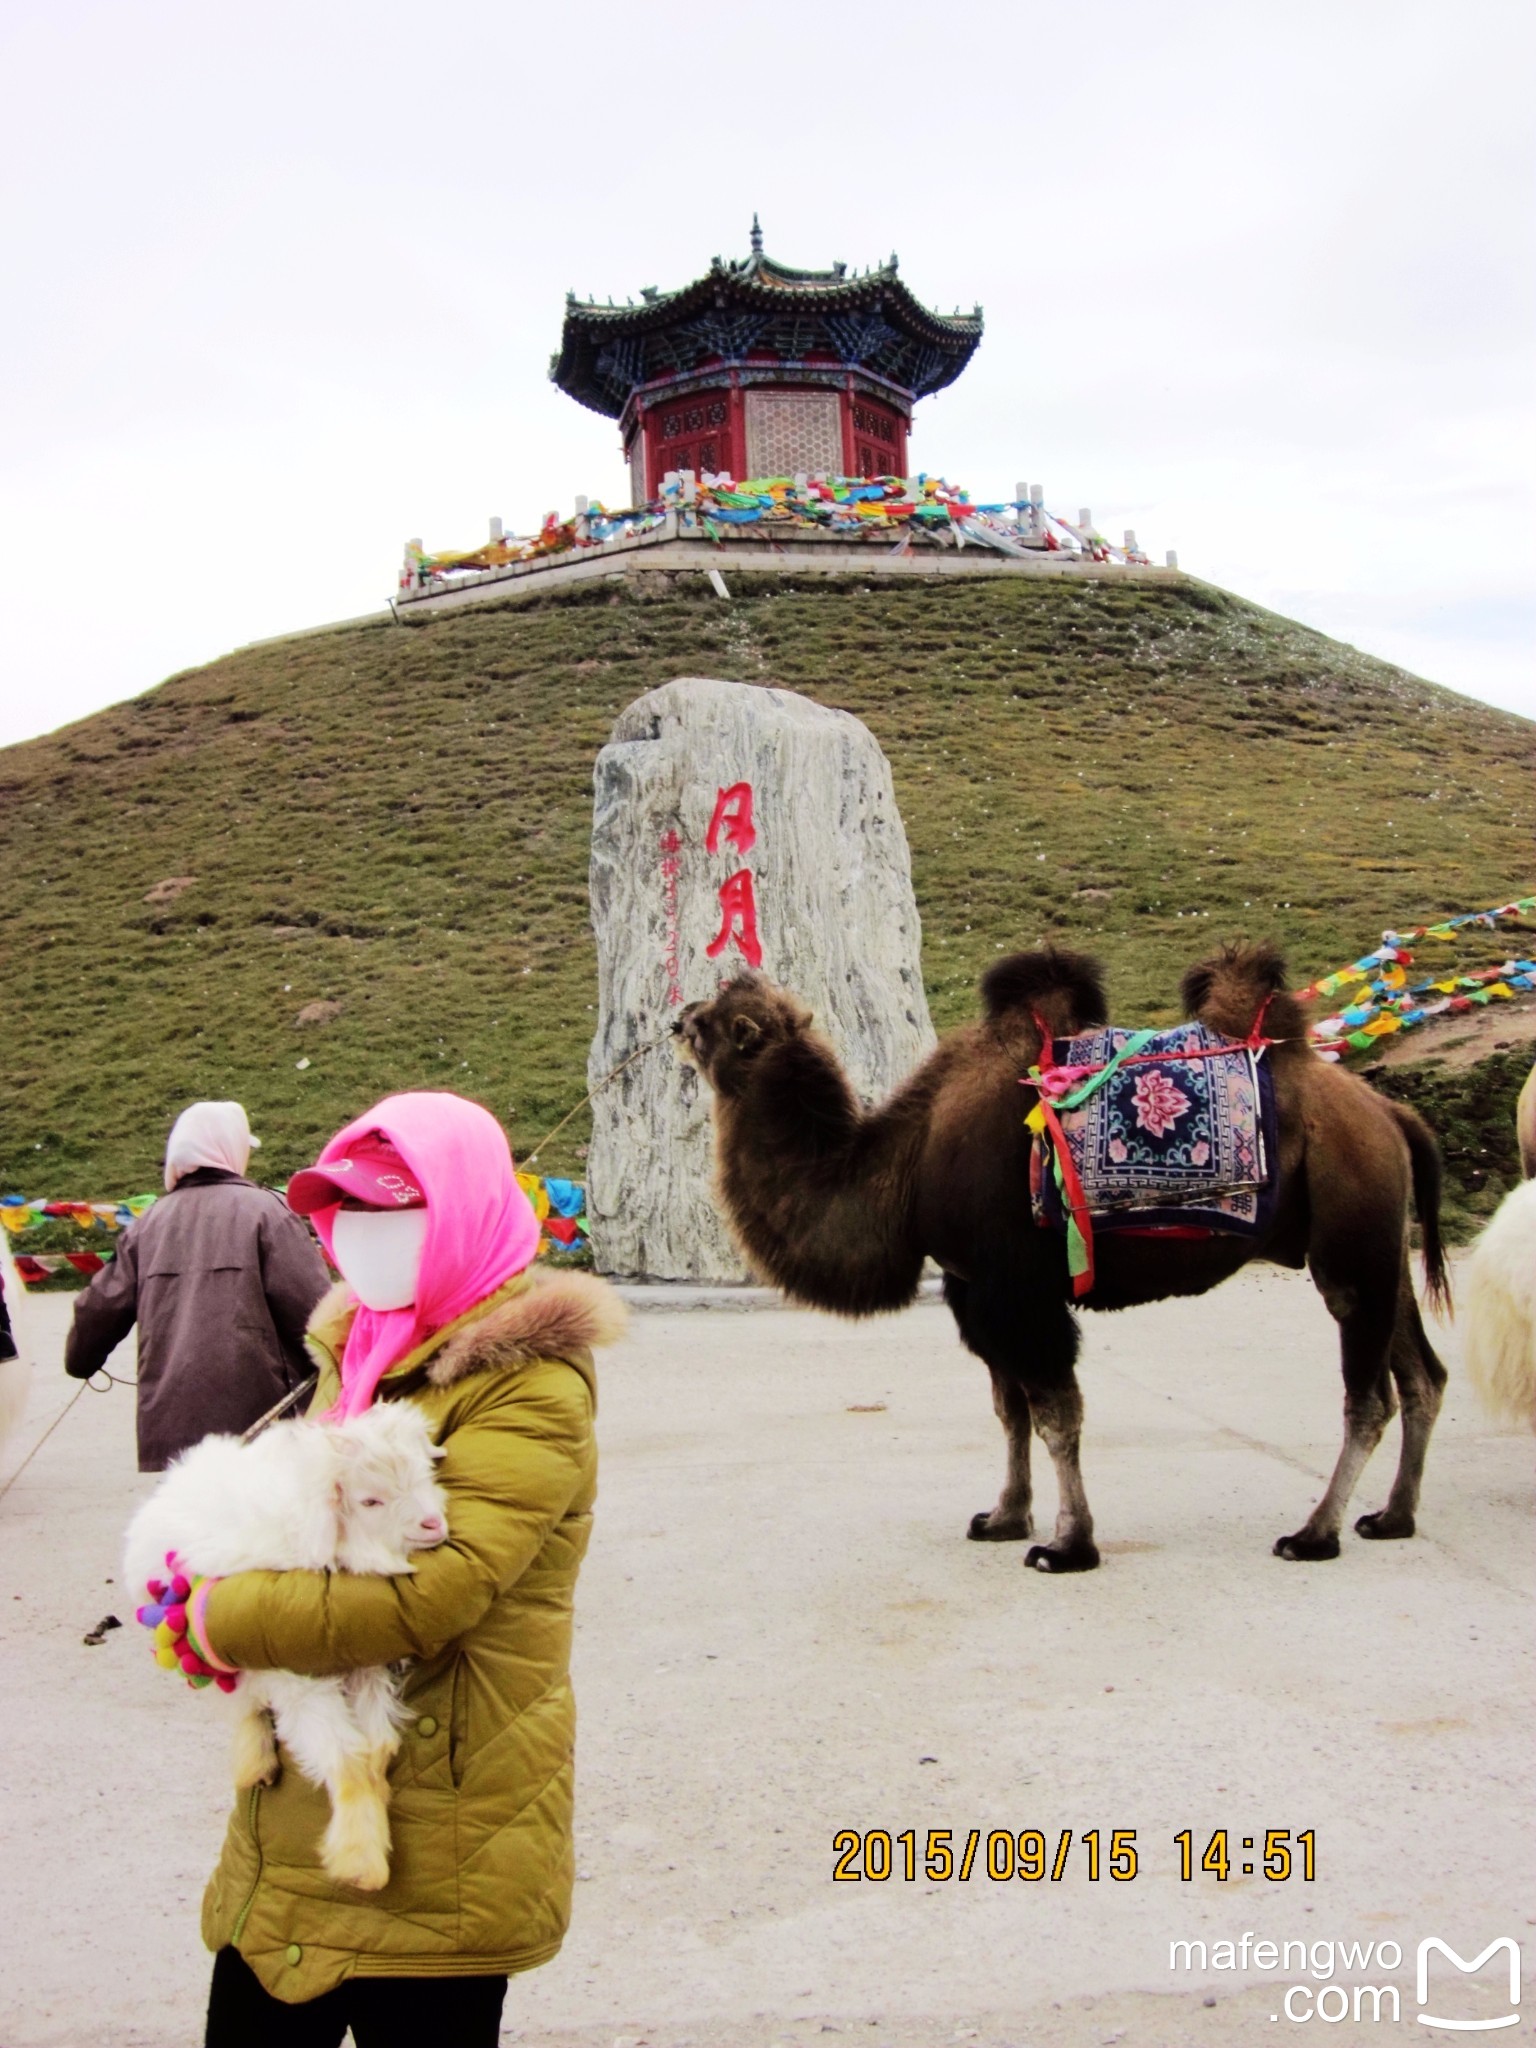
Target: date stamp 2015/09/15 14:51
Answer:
[[877, 1855]]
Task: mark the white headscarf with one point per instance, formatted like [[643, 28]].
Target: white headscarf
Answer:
[[209, 1134]]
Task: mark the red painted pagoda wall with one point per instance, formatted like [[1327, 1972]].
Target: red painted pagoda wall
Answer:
[[708, 430], [875, 436], [699, 432]]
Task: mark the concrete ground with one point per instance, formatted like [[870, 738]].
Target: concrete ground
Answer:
[[784, 1635]]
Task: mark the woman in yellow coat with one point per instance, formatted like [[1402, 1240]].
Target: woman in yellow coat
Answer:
[[419, 1206]]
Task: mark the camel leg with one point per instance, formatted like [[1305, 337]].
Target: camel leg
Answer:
[[1058, 1414], [996, 1318], [1420, 1381], [1030, 1386], [1366, 1316], [1012, 1520]]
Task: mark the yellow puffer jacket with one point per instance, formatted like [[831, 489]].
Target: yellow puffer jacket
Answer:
[[481, 1791]]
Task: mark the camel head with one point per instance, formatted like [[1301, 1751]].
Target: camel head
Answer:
[[724, 1037]]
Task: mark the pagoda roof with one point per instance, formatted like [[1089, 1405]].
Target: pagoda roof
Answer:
[[760, 309]]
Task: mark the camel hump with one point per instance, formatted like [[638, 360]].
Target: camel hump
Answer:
[[1067, 987], [1227, 991]]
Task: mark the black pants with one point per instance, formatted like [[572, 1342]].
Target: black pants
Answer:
[[383, 2012]]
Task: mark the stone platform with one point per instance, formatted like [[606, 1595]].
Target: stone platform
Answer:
[[679, 544]]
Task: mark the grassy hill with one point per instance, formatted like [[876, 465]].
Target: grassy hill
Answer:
[[390, 823]]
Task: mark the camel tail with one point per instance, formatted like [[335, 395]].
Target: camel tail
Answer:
[[1425, 1154]]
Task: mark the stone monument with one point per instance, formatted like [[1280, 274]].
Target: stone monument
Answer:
[[734, 826]]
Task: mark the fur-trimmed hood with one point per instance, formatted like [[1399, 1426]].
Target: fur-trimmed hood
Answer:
[[559, 1314]]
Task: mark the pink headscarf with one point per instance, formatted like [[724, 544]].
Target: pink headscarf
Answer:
[[481, 1229]]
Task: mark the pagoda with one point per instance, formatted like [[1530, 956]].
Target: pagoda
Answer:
[[757, 370]]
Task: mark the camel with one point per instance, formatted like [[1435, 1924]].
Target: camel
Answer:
[[839, 1206]]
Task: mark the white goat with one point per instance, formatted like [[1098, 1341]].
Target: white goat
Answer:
[[1497, 1286], [358, 1496]]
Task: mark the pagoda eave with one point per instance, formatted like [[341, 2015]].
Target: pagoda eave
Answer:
[[653, 315], [868, 323]]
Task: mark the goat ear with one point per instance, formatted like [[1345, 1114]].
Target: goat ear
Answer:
[[745, 1032]]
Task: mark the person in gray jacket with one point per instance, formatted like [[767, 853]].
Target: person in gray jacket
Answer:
[[220, 1276]]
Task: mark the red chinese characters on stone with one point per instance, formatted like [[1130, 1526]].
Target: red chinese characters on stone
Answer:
[[671, 843], [733, 817], [732, 822], [738, 919]]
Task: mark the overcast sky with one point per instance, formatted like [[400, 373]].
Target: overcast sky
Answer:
[[282, 283]]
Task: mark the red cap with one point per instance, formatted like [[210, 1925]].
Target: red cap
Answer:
[[371, 1171]]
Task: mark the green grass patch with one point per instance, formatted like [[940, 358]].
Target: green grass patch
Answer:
[[394, 820], [1472, 1111]]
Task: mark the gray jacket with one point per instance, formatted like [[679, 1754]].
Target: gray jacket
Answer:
[[220, 1277]]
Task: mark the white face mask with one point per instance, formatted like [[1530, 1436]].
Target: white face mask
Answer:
[[379, 1253]]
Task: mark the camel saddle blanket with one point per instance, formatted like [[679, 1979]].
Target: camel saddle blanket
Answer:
[[1169, 1141]]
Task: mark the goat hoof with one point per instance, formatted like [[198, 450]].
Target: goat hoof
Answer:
[[1304, 1549], [364, 1873], [1384, 1526], [991, 1527], [355, 1847], [1045, 1557]]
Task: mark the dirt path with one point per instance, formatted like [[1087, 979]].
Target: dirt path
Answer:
[[783, 1634], [1463, 1041]]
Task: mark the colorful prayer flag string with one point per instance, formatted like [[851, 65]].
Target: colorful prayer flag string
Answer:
[[18, 1213], [560, 1205], [782, 505], [1386, 1003], [1392, 944]]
